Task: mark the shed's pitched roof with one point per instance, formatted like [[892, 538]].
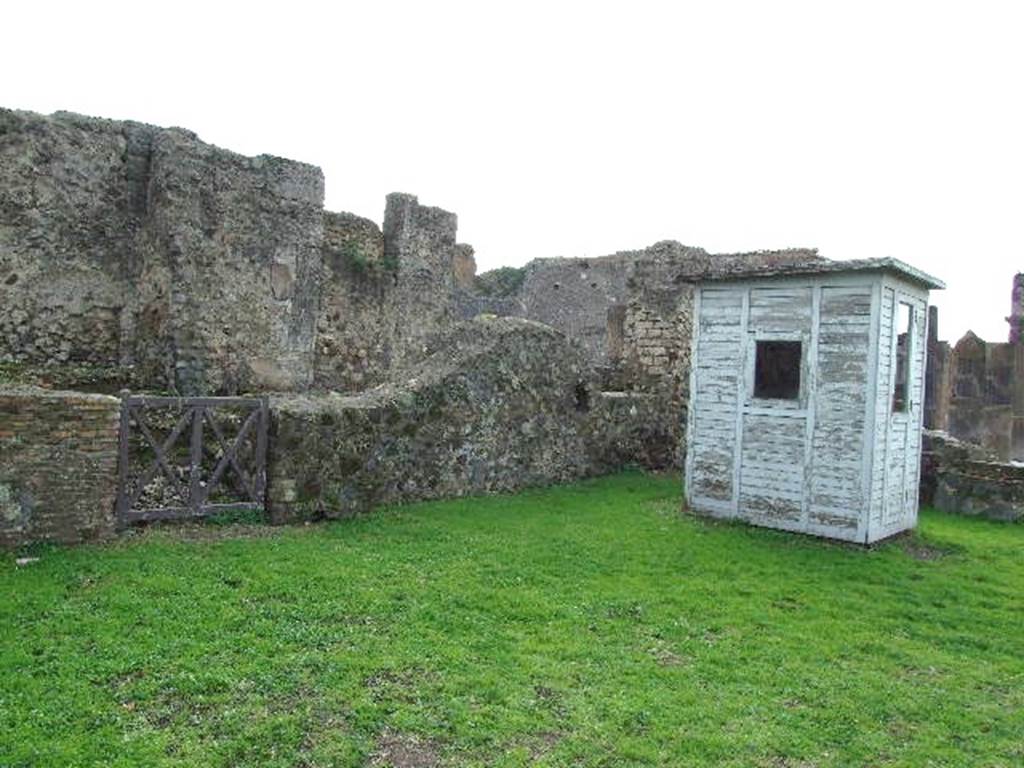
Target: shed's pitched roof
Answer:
[[824, 266]]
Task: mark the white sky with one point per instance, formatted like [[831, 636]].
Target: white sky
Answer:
[[577, 129]]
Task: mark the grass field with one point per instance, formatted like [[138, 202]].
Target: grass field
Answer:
[[590, 625]]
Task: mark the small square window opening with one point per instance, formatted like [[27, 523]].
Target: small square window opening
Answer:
[[777, 370]]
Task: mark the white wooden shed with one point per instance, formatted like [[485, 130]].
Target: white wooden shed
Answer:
[[806, 397]]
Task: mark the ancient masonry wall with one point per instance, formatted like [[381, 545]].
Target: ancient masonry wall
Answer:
[[196, 270], [975, 388], [485, 411], [385, 294], [631, 314], [353, 349], [966, 479], [123, 244], [58, 466]]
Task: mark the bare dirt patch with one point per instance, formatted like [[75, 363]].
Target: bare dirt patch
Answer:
[[923, 550], [404, 750], [210, 531]]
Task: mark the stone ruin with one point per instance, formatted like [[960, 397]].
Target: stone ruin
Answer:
[[975, 388], [139, 257], [974, 420]]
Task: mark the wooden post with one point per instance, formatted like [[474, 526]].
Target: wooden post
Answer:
[[195, 497], [260, 481], [122, 459]]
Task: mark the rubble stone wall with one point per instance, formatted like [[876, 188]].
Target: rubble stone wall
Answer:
[[353, 342], [58, 466], [72, 199], [484, 412], [128, 245], [964, 478], [975, 392]]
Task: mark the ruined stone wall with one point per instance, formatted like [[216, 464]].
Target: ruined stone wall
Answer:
[[966, 479], [385, 294], [353, 343], [1016, 318], [236, 241], [486, 411], [421, 241], [72, 200], [975, 392], [574, 296], [58, 466], [125, 244], [629, 309]]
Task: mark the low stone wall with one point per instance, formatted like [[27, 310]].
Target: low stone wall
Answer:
[[960, 477], [500, 404], [58, 466]]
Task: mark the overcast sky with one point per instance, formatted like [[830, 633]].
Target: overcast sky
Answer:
[[578, 129]]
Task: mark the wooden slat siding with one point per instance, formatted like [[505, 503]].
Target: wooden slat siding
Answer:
[[691, 411], [920, 393], [811, 382], [904, 435], [836, 485], [883, 406], [780, 309], [715, 378], [915, 394], [772, 470], [895, 448], [771, 441], [743, 386], [900, 455]]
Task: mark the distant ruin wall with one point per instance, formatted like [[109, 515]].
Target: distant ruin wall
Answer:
[[975, 392], [630, 309], [574, 296], [58, 466]]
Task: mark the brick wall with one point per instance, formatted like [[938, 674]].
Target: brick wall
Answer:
[[58, 466]]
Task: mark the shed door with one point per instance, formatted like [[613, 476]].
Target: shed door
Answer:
[[906, 393], [774, 413]]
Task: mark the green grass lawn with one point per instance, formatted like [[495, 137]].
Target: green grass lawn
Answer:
[[578, 626]]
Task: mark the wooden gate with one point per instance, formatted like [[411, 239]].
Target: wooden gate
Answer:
[[220, 464]]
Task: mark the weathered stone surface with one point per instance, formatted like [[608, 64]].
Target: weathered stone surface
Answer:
[[58, 466], [238, 241], [421, 241], [72, 199], [126, 244], [631, 312], [487, 410], [464, 267], [353, 343], [975, 388], [960, 477]]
